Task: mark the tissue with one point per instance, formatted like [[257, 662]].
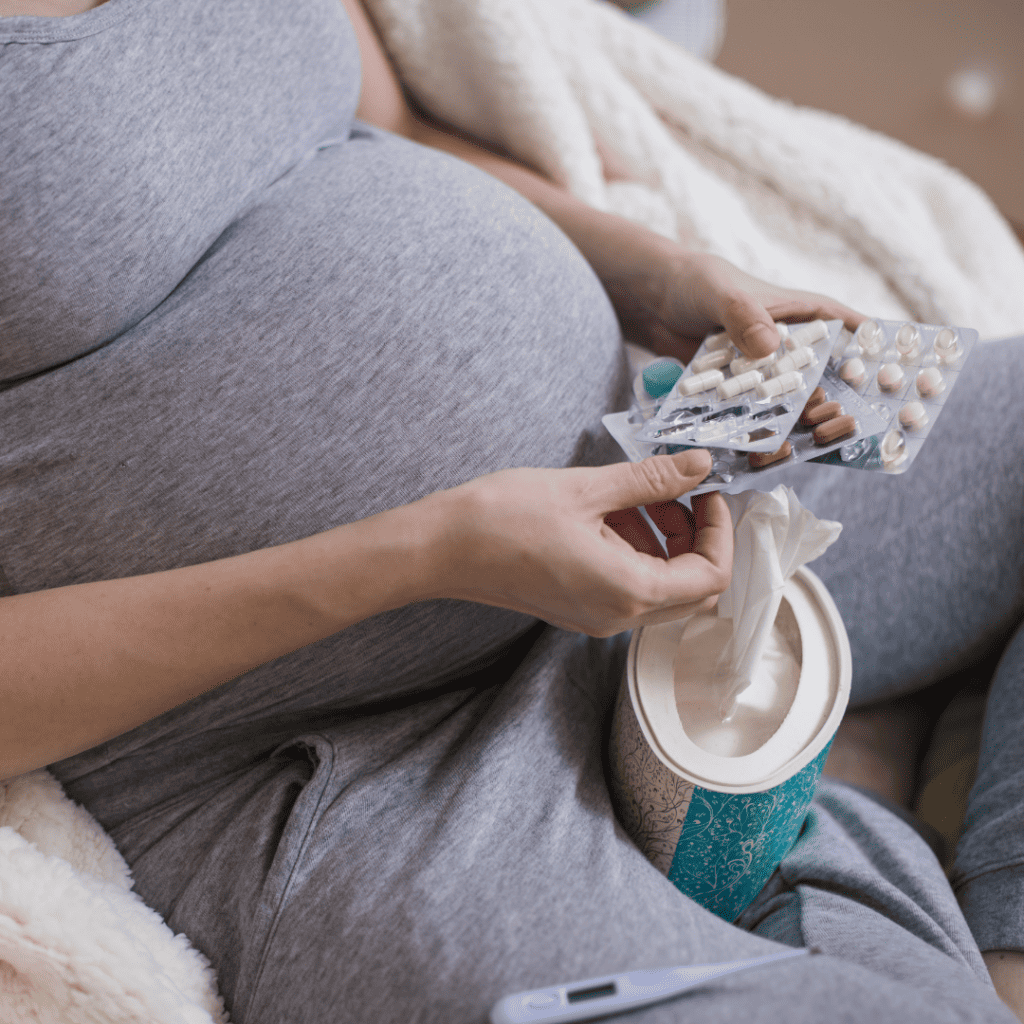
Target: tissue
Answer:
[[773, 536]]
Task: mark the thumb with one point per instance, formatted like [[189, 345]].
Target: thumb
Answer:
[[657, 478], [750, 327]]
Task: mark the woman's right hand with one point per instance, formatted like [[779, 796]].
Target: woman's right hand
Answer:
[[569, 546]]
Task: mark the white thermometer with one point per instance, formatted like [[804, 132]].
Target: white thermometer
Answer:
[[616, 993]]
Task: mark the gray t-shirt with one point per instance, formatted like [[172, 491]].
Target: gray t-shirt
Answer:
[[258, 319], [132, 137]]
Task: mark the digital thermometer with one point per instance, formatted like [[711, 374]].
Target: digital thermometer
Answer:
[[616, 993]]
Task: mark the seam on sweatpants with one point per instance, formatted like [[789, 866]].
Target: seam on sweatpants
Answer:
[[988, 869], [314, 817]]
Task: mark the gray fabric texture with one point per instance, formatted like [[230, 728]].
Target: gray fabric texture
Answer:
[[266, 319]]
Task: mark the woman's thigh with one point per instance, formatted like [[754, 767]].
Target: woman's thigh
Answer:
[[928, 572], [418, 863]]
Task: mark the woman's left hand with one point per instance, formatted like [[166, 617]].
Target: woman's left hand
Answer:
[[699, 293]]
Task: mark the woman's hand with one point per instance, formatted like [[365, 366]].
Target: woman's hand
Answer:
[[699, 293], [569, 546]]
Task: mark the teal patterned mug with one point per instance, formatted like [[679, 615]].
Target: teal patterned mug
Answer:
[[716, 824]]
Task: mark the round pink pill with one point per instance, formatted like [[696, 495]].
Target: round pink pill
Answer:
[[913, 416], [930, 382], [890, 376], [853, 372]]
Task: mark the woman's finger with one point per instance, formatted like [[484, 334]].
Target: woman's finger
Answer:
[[713, 537], [750, 326], [630, 484]]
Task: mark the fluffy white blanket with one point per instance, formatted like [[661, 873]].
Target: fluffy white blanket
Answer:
[[792, 195], [77, 946]]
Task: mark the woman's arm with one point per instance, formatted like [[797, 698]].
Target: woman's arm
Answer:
[[667, 296], [82, 664]]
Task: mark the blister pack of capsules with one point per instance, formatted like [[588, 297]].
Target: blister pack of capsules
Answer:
[[725, 400], [834, 418], [904, 371], [851, 418]]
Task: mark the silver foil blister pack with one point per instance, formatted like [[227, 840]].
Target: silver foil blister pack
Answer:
[[731, 469], [723, 399], [892, 378], [905, 372]]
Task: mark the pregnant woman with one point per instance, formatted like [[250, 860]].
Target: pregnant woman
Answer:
[[317, 579]]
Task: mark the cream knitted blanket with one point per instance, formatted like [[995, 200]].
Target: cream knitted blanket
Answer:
[[792, 195], [795, 196]]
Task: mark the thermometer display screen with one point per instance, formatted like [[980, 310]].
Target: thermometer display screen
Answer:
[[591, 993]]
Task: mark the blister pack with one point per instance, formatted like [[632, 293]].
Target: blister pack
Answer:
[[905, 372], [725, 400], [879, 394], [832, 407]]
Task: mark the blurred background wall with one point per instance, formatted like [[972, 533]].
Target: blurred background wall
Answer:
[[944, 76]]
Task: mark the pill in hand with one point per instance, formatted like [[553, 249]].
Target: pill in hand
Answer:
[[913, 416], [890, 377], [833, 429], [743, 363], [820, 413], [853, 372], [700, 382], [717, 342], [792, 381], [737, 385], [710, 361], [796, 360], [759, 459], [807, 334], [930, 382]]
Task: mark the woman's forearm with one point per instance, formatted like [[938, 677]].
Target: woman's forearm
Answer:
[[84, 663]]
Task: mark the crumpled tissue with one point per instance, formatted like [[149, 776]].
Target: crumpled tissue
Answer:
[[773, 536]]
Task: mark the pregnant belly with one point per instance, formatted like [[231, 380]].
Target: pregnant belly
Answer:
[[387, 322]]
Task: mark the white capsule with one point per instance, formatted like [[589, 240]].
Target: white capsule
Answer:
[[781, 385], [870, 338], [717, 341], [737, 385], [710, 361], [807, 334], [700, 382], [744, 363], [796, 360]]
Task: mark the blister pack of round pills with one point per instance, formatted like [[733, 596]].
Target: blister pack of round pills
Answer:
[[905, 371], [723, 399]]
